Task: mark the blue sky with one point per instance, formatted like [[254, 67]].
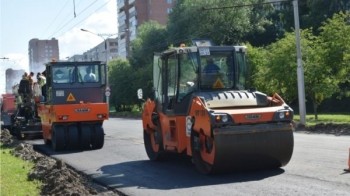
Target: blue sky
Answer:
[[23, 20]]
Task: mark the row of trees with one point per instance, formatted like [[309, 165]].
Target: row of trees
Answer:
[[326, 61], [267, 32]]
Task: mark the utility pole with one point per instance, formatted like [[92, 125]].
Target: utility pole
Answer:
[[300, 69]]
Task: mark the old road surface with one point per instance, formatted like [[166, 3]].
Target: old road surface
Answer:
[[317, 167]]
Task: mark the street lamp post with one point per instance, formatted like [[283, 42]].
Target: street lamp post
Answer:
[[107, 90], [300, 69]]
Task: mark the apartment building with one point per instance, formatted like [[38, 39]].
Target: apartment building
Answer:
[[105, 51], [41, 52], [132, 13]]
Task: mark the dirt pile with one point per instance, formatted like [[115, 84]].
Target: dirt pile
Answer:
[[57, 177]]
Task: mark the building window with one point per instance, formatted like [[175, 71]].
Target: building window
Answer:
[[169, 10], [169, 1]]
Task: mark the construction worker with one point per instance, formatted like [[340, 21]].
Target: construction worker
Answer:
[[42, 82], [31, 83], [24, 88]]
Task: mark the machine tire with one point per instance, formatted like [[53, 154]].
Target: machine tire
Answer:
[[73, 137], [47, 141], [12, 127], [154, 151], [19, 134], [197, 160], [58, 141], [98, 137], [85, 137]]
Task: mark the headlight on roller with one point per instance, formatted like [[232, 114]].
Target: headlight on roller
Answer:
[[283, 115], [222, 118]]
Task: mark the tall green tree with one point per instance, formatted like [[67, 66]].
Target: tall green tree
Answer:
[[197, 19], [335, 49], [312, 13], [277, 72], [319, 11], [325, 60], [151, 38], [121, 78], [320, 83]]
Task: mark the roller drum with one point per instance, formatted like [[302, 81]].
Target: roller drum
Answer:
[[252, 147]]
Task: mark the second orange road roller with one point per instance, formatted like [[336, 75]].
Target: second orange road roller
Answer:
[[201, 107]]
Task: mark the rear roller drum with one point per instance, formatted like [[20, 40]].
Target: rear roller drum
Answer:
[[73, 137], [85, 137], [98, 137], [203, 152], [47, 142], [154, 149], [58, 140]]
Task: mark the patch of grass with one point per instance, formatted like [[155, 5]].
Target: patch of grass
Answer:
[[14, 175], [325, 118]]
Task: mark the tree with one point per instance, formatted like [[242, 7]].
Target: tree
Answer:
[[335, 49], [319, 11], [277, 72], [123, 96], [257, 60], [195, 19], [151, 38], [325, 60], [320, 83]]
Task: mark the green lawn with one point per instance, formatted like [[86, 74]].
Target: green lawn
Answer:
[[325, 118], [13, 175]]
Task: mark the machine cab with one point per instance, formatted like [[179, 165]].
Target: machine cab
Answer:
[[75, 82], [180, 73]]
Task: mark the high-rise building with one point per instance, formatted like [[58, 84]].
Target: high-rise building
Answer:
[[132, 13], [41, 52]]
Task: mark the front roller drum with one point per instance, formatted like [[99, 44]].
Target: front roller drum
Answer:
[[250, 149]]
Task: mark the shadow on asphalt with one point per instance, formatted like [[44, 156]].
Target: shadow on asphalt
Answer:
[[174, 173], [47, 150]]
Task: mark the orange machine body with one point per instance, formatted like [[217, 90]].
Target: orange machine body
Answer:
[[70, 113], [73, 108], [8, 108], [201, 108]]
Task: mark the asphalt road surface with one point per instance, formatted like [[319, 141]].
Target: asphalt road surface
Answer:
[[316, 168]]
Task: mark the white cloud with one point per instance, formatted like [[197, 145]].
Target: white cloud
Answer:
[[74, 41], [100, 22]]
